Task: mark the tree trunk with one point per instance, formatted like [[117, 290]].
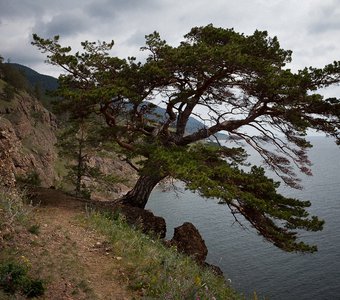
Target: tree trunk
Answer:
[[140, 194], [79, 167]]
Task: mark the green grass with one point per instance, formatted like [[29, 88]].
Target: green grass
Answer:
[[14, 278], [155, 270], [14, 270]]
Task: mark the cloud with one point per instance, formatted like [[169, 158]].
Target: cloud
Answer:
[[16, 9], [327, 20], [66, 24], [308, 27], [106, 9]]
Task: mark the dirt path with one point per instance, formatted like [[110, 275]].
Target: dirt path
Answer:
[[78, 263]]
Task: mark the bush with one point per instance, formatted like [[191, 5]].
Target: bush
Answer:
[[34, 229], [12, 207], [33, 288], [9, 92], [12, 276], [14, 279], [31, 178]]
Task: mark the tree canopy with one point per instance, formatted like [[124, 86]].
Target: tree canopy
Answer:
[[236, 84]]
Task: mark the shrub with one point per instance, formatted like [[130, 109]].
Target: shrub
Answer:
[[9, 92], [31, 178], [14, 278], [34, 229], [12, 207]]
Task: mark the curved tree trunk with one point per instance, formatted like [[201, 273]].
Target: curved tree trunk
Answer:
[[140, 193]]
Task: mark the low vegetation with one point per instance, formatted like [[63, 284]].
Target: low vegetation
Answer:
[[31, 264], [155, 270], [15, 275]]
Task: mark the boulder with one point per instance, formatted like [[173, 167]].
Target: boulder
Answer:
[[143, 219], [188, 240]]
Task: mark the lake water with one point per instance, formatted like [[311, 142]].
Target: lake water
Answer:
[[253, 264]]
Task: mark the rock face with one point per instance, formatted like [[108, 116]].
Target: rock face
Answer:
[[28, 138], [111, 165], [27, 145], [8, 144], [188, 240]]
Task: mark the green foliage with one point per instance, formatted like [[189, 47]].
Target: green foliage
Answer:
[[9, 92], [250, 194], [155, 270], [14, 273], [37, 117], [12, 208], [22, 78], [79, 140], [85, 192], [39, 84], [14, 77], [14, 278], [31, 178], [34, 229], [76, 142], [241, 82]]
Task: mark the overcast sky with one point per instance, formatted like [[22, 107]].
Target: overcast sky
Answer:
[[311, 28]]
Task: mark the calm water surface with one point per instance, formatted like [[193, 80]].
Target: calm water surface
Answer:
[[253, 264]]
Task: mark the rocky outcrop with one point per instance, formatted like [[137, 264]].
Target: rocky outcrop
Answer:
[[8, 144], [28, 138], [188, 240], [143, 219]]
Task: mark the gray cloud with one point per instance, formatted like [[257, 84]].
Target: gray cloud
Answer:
[[307, 27], [66, 25], [328, 20], [15, 9], [106, 9]]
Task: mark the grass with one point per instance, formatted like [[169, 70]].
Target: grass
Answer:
[[12, 208], [28, 268], [14, 278], [149, 268], [153, 269], [14, 269]]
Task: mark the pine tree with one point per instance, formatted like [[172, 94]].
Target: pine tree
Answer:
[[234, 83]]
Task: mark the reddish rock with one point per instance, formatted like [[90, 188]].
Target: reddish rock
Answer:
[[28, 137], [188, 240]]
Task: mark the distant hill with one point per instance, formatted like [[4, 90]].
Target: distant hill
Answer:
[[45, 82]]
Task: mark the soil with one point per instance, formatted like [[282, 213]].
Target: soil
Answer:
[[76, 263]]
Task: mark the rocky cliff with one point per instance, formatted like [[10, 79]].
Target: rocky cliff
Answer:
[[28, 135], [27, 139], [7, 147]]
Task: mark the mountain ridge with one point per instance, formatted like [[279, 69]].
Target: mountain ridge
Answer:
[[46, 82]]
